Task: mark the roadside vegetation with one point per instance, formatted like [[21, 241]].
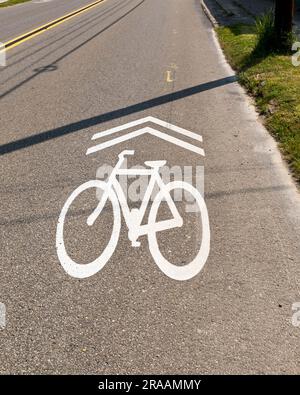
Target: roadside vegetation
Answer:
[[11, 2], [271, 78]]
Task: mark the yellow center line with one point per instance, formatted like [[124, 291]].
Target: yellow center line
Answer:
[[41, 29]]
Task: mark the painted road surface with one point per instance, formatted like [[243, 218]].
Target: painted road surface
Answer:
[[117, 63]]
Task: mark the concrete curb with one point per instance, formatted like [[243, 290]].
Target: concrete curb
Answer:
[[209, 14]]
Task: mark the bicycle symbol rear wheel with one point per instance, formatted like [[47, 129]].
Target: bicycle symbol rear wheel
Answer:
[[73, 268], [191, 269]]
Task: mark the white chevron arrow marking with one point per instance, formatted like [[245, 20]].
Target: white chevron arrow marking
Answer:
[[154, 132]]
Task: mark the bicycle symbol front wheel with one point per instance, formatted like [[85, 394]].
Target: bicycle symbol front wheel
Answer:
[[73, 268], [191, 269]]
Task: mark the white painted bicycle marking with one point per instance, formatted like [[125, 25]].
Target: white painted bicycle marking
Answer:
[[113, 192]]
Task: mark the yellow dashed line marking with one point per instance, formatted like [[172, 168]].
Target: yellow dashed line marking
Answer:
[[169, 76]]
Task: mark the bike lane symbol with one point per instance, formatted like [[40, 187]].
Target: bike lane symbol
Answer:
[[113, 192]]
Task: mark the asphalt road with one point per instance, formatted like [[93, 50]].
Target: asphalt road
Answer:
[[122, 61], [24, 17]]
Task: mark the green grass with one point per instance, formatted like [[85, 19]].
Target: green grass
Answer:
[[11, 2], [274, 83]]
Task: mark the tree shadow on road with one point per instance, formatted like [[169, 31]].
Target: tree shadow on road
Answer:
[[109, 116], [54, 65]]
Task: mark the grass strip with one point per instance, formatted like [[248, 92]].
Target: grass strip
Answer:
[[274, 83]]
